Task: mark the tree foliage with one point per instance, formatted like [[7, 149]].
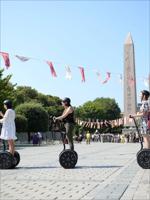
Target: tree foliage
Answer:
[[100, 108], [21, 123], [24, 94], [36, 115], [6, 88], [51, 104]]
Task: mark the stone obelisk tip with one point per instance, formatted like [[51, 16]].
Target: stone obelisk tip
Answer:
[[129, 39]]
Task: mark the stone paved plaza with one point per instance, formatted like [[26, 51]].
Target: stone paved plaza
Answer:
[[104, 171]]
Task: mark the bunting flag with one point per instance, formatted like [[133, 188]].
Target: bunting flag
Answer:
[[120, 121], [101, 124], [98, 75], [120, 78], [107, 78], [22, 58], [52, 68], [82, 74], [146, 82], [6, 59], [68, 73]]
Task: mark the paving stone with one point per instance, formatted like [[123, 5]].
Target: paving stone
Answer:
[[104, 171]]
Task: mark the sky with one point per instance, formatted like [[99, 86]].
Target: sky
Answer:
[[90, 34]]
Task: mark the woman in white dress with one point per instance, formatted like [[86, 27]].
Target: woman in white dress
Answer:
[[8, 131]]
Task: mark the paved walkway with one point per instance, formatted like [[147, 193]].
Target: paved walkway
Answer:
[[104, 171]]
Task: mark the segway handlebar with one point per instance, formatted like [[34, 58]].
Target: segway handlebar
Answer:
[[63, 136], [54, 119], [138, 131]]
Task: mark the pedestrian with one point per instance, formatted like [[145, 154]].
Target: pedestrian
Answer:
[[40, 138], [88, 137], [69, 121], [8, 131], [93, 137], [122, 138], [145, 117], [35, 139]]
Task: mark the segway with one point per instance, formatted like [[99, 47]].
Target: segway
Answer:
[[67, 158], [7, 160], [143, 156]]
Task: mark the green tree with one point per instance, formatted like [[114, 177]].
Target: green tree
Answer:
[[51, 103], [6, 88], [100, 108], [36, 115], [21, 123], [48, 100], [24, 94]]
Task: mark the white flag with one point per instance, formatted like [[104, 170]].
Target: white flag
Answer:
[[120, 78], [22, 58], [146, 81], [68, 73]]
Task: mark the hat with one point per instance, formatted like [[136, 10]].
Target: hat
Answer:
[[145, 92], [66, 100], [8, 103]]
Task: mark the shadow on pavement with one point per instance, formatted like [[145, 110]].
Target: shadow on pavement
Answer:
[[77, 167], [98, 167], [41, 167]]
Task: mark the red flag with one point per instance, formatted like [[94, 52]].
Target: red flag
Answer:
[[6, 59], [82, 74], [107, 78], [52, 68]]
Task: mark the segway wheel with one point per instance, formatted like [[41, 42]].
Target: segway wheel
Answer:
[[16, 160], [6, 160], [68, 159], [75, 153], [143, 158]]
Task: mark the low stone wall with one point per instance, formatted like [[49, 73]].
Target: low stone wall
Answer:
[[47, 136]]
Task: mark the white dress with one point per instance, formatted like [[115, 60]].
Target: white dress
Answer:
[[8, 131]]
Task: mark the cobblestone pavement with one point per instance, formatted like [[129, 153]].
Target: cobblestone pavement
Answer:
[[104, 171]]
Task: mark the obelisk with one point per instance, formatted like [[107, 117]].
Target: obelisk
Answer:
[[130, 96]]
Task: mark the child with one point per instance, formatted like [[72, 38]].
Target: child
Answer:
[[8, 131]]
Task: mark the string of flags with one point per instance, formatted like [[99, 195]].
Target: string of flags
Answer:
[[98, 123], [68, 74]]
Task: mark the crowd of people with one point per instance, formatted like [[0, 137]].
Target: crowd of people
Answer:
[[107, 137]]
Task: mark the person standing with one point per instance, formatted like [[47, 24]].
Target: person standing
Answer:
[[8, 131], [35, 139], [145, 117], [40, 138], [68, 118], [88, 137]]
